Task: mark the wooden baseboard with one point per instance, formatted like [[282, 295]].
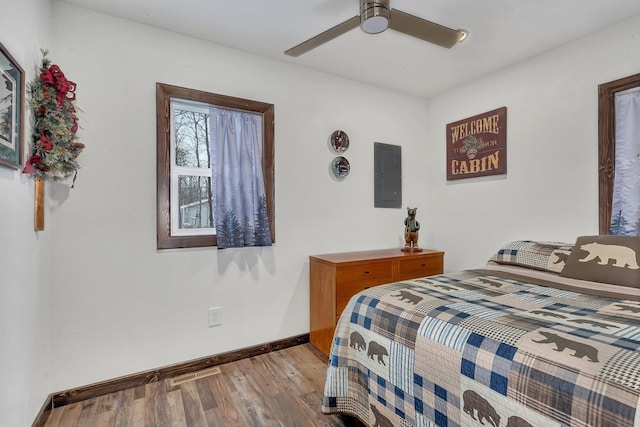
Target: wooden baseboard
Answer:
[[90, 391]]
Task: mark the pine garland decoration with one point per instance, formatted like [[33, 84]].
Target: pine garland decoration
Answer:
[[54, 148]]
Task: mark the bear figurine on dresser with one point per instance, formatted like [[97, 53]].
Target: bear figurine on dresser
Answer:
[[411, 228]]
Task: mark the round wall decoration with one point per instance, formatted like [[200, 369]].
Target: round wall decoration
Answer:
[[339, 141], [340, 167]]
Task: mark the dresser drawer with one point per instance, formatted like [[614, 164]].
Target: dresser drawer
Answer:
[[368, 274], [344, 292], [419, 267]]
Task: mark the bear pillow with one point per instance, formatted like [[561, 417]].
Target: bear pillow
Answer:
[[605, 259]]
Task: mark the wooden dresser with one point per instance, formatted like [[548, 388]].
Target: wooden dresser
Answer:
[[335, 278]]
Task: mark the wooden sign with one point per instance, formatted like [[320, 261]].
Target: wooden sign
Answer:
[[477, 146]]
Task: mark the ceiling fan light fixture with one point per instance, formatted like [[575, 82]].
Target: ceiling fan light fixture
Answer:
[[374, 16], [375, 24]]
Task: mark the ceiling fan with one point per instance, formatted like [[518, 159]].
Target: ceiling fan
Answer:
[[375, 17]]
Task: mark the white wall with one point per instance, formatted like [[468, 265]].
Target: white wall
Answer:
[[119, 305], [24, 309], [550, 191]]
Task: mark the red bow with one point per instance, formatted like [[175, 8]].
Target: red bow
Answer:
[[55, 77], [35, 159], [46, 142]]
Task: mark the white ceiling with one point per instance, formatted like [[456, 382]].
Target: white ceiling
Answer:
[[501, 33]]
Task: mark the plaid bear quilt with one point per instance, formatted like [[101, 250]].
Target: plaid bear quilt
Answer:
[[486, 347]]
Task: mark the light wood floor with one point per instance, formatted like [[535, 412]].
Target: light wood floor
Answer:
[[282, 388]]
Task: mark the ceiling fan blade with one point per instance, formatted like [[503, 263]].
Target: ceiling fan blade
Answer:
[[324, 37], [423, 29]]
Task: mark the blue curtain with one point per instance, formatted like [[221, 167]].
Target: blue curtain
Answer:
[[625, 215], [240, 201]]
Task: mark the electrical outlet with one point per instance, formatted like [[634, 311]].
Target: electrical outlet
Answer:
[[215, 316]]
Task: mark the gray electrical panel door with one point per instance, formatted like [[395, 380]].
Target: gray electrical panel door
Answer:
[[387, 175]]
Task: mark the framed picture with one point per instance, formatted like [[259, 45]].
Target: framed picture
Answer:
[[11, 110], [477, 146]]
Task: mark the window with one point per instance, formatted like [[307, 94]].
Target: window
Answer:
[[190, 169], [185, 179], [618, 158]]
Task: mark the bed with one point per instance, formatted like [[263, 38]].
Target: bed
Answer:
[[544, 334]]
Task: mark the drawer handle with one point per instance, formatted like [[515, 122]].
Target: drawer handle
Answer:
[[366, 272], [424, 265]]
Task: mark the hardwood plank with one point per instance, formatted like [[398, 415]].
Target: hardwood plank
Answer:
[[246, 394], [175, 410], [89, 412], [54, 417], [225, 396], [214, 418], [258, 373], [155, 407], [106, 419], [123, 416], [313, 402], [206, 397], [282, 414], [194, 413], [312, 365], [108, 402], [293, 364], [138, 416], [124, 412], [139, 392], [296, 369], [71, 415]]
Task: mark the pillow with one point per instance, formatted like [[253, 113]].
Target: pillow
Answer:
[[545, 256], [605, 259]]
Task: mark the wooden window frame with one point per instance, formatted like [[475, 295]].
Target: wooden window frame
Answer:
[[607, 145], [164, 94]]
